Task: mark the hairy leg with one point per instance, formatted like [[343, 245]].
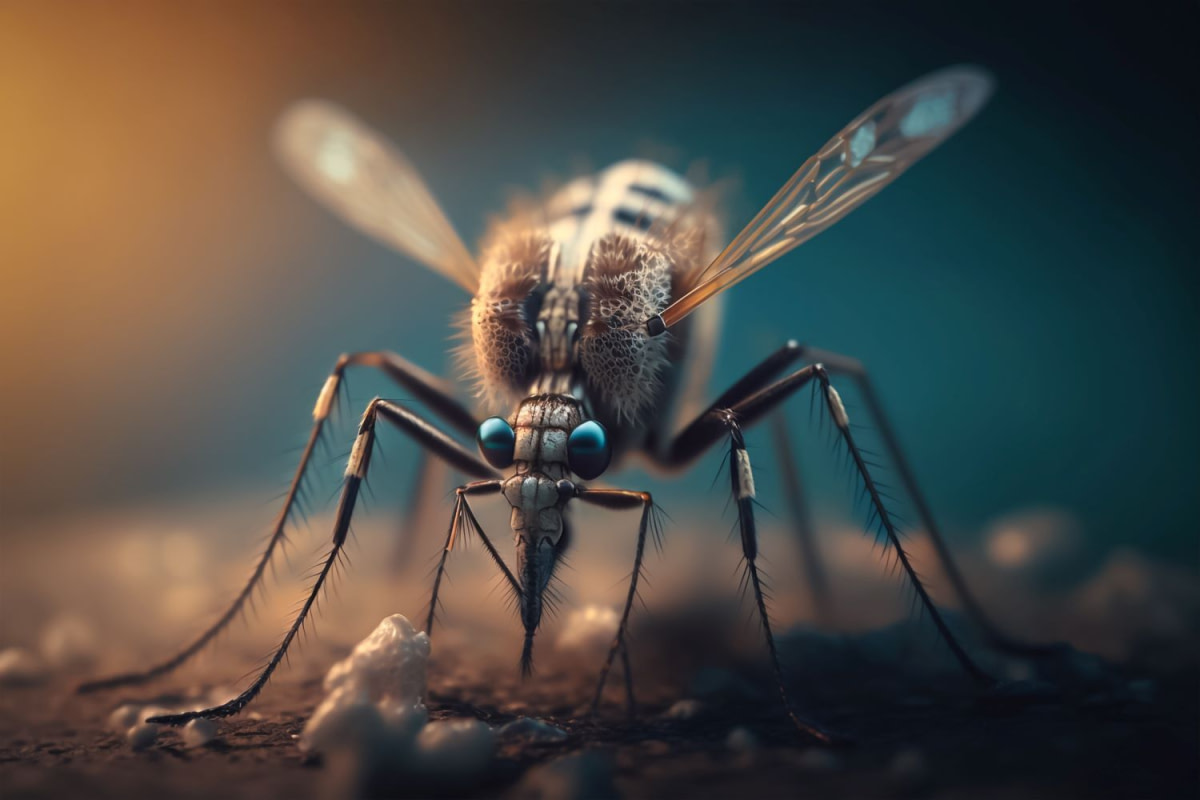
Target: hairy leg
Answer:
[[463, 523], [701, 435], [356, 471], [623, 499], [430, 390]]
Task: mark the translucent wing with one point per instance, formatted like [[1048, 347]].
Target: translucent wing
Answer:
[[362, 179], [861, 159]]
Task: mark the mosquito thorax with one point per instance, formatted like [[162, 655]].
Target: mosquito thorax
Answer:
[[543, 424]]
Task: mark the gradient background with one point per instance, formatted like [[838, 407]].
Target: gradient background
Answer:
[[1026, 298]]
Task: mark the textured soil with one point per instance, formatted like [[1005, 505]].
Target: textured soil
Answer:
[[1075, 727]]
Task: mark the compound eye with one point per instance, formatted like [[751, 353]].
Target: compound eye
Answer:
[[496, 441], [588, 450]]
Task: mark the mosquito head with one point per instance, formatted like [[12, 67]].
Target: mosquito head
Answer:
[[547, 443]]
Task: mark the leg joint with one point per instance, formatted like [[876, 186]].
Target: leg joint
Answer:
[[369, 416], [729, 419], [360, 453]]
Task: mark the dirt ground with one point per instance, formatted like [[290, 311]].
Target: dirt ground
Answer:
[[1077, 728], [1070, 725]]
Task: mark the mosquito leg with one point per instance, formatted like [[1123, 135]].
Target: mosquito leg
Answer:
[[462, 523], [802, 520], [752, 397], [432, 391], [742, 484], [834, 402], [274, 541], [356, 471], [756, 405], [836, 363], [756, 390], [627, 668], [426, 388], [622, 499]]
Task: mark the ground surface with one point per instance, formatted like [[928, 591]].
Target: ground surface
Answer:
[[1099, 732], [138, 585]]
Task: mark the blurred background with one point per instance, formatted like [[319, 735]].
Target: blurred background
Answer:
[[1026, 298]]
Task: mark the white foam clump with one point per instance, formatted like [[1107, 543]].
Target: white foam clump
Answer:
[[374, 710], [384, 672]]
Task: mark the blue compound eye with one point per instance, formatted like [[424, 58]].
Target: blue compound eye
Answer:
[[588, 450], [496, 441]]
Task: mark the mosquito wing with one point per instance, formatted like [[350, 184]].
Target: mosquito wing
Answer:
[[861, 159], [371, 185]]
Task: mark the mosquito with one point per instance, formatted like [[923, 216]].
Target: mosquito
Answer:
[[590, 335]]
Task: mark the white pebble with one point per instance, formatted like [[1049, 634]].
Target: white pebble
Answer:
[[455, 750], [531, 730], [683, 709], [199, 732], [142, 735], [124, 717], [19, 667]]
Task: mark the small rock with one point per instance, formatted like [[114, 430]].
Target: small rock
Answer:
[[124, 717], [457, 749], [684, 709], [741, 740], [142, 735], [581, 776], [531, 730], [818, 759], [19, 667], [199, 732]]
